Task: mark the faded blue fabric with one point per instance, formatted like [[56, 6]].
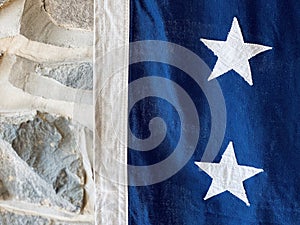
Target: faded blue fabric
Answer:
[[263, 120]]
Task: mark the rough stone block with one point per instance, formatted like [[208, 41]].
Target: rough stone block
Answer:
[[71, 13], [75, 75], [48, 145]]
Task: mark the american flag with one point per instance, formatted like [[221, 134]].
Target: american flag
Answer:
[[197, 112]]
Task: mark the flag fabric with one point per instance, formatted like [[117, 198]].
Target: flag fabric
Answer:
[[213, 116]]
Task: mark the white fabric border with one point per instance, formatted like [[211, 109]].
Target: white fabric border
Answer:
[[111, 32]]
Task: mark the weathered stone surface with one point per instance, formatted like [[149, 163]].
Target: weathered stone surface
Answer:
[[45, 159], [71, 13], [24, 185], [38, 25], [34, 78], [14, 218], [75, 75], [48, 145], [10, 123], [10, 218], [8, 132]]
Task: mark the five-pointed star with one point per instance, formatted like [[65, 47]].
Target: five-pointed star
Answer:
[[234, 53], [228, 175]]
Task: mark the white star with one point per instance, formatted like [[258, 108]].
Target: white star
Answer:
[[234, 53], [228, 175]]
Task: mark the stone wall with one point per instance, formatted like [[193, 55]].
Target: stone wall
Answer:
[[46, 84]]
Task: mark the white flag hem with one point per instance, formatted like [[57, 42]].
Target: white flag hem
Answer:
[[110, 139]]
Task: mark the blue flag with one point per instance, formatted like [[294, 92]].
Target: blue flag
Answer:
[[214, 99]]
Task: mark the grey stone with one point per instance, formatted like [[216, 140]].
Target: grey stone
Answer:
[[48, 145], [10, 123], [10, 218], [75, 75], [71, 13], [24, 185], [14, 218], [8, 132]]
